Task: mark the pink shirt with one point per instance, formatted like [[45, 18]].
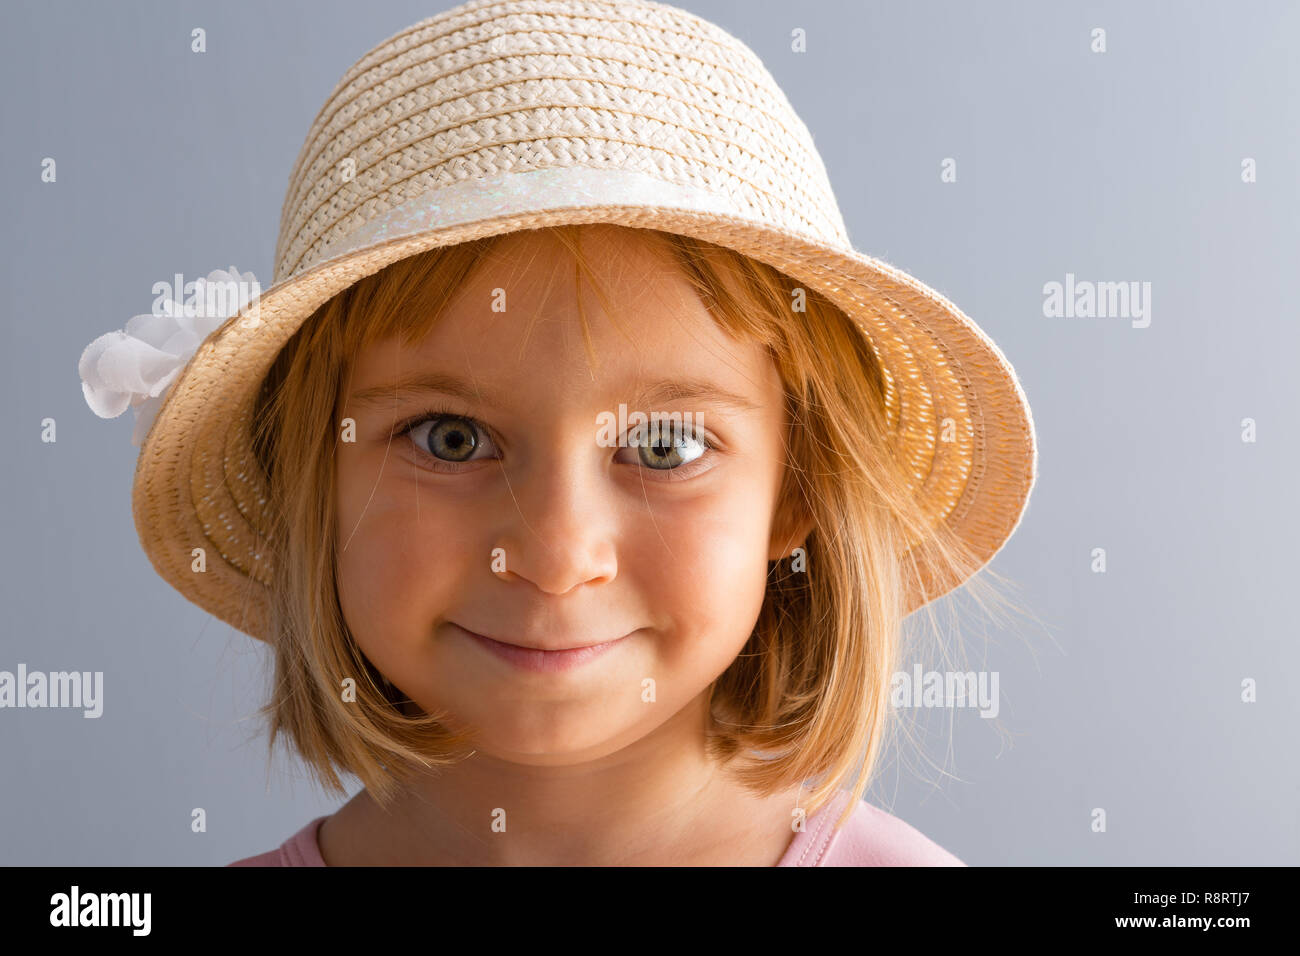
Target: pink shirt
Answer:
[[871, 837]]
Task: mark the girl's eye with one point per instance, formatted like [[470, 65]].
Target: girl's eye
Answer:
[[452, 439], [671, 450], [448, 440]]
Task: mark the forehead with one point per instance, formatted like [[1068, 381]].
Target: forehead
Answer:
[[527, 321]]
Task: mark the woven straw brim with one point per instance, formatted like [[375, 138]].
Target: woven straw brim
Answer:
[[198, 485]]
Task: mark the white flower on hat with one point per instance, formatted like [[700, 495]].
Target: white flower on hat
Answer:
[[134, 367]]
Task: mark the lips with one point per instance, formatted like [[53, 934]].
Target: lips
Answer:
[[538, 659]]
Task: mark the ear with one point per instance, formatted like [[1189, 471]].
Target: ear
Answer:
[[789, 534]]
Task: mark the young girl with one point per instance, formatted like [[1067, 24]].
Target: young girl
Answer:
[[579, 482]]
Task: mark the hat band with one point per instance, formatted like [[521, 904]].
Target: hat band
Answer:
[[521, 193]]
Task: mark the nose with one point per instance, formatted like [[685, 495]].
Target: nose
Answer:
[[560, 533]]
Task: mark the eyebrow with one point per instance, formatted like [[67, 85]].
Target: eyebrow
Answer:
[[652, 393]]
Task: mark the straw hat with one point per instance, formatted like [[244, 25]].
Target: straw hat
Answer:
[[498, 116]]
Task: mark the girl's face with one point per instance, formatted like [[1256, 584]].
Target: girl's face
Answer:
[[509, 518]]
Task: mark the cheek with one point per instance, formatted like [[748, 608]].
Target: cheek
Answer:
[[704, 569], [394, 572]]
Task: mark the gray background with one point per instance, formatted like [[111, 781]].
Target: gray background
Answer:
[[1117, 166]]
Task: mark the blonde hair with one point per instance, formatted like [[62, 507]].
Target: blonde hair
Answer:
[[806, 702]]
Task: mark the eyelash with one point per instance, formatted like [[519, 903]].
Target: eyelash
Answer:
[[404, 429]]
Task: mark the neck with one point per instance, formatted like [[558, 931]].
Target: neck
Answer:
[[658, 801]]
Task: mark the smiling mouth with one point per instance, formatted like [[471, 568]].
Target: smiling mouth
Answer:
[[538, 659]]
